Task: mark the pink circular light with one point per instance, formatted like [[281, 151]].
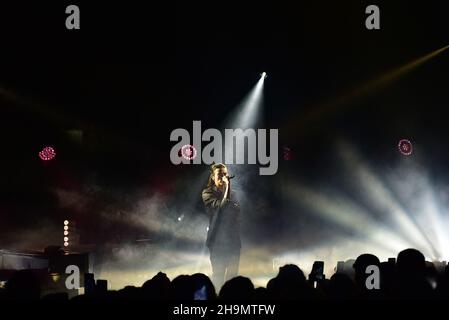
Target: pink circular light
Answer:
[[188, 152], [405, 147], [48, 153]]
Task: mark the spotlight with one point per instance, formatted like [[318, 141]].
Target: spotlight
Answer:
[[66, 233], [263, 75], [48, 153], [405, 147]]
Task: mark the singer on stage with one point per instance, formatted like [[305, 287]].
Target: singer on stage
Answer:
[[223, 237]]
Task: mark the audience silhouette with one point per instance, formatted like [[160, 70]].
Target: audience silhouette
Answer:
[[407, 277]]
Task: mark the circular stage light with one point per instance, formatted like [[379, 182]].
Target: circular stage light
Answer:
[[48, 153], [405, 147], [188, 152]]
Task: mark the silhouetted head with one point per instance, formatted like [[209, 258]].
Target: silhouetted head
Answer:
[[411, 261], [410, 280], [363, 261], [157, 287], [290, 283], [237, 288], [341, 286], [200, 280], [360, 266], [291, 272], [181, 288]]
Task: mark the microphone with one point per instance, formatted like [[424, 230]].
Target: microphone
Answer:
[[230, 177]]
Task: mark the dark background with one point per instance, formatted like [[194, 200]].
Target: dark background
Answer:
[[133, 73]]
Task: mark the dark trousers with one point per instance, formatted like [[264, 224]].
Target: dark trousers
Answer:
[[225, 264]]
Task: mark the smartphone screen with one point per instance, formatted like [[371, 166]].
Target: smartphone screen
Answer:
[[318, 270], [200, 294]]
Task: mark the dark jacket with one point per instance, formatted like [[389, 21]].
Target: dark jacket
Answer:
[[224, 215]]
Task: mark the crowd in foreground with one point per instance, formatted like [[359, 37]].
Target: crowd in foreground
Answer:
[[410, 277]]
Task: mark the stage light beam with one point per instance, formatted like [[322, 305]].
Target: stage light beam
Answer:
[[348, 215], [384, 201], [306, 121]]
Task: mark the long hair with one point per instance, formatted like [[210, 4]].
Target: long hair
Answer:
[[213, 167]]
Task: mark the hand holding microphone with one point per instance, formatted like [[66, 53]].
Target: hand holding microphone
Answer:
[[227, 179]]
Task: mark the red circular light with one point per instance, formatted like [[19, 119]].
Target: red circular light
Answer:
[[405, 147], [188, 152], [48, 153]]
